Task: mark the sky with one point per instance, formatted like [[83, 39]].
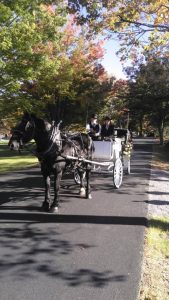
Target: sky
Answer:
[[111, 62]]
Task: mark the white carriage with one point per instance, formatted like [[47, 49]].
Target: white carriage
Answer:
[[107, 158], [112, 156]]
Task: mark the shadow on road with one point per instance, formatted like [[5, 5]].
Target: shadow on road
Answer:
[[64, 218], [38, 249], [34, 243]]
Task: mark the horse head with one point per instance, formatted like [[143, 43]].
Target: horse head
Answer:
[[22, 133], [35, 128]]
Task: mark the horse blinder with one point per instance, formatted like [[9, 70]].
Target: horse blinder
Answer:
[[21, 136]]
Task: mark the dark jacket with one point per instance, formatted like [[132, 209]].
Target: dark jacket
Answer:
[[94, 129], [107, 132]]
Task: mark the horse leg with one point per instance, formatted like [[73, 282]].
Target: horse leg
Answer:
[[88, 190], [57, 181], [85, 190], [82, 184], [46, 203]]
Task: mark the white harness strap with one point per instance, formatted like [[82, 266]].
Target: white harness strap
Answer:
[[54, 140]]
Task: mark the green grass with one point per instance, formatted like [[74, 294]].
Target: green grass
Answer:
[[12, 160], [154, 284], [158, 235], [160, 157], [158, 256]]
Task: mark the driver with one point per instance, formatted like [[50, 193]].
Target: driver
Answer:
[[93, 128], [107, 129]]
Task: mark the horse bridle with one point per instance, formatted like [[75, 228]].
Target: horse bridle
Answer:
[[20, 134]]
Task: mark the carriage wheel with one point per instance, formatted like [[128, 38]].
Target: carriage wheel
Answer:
[[117, 173], [77, 176]]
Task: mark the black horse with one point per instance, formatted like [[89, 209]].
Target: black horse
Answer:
[[55, 152]]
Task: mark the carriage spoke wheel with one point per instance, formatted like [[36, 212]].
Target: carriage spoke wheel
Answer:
[[117, 173], [77, 176]]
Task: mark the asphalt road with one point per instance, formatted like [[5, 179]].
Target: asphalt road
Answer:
[[91, 250]]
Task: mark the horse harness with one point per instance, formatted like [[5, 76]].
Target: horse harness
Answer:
[[55, 145]]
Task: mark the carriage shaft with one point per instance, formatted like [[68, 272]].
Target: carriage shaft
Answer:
[[106, 163]]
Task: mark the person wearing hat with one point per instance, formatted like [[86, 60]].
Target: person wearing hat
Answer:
[[93, 128], [107, 129]]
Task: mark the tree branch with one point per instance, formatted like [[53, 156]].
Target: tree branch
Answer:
[[160, 27]]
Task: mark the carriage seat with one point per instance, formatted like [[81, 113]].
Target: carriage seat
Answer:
[[107, 150], [123, 134]]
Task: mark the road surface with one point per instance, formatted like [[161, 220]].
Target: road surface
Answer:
[[91, 250]]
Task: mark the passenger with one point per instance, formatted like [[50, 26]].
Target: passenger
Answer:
[[107, 129], [93, 128]]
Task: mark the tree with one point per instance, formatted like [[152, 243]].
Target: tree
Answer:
[[149, 94], [27, 29], [47, 60], [116, 104], [136, 23]]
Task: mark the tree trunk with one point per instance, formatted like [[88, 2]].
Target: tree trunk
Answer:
[[53, 112], [161, 133], [141, 127]]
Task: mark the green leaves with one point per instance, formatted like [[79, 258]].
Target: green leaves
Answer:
[[5, 14], [141, 26], [47, 59], [149, 94]]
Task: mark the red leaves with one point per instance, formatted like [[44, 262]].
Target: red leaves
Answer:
[[96, 50]]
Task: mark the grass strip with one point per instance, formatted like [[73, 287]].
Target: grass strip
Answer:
[[155, 271], [12, 160], [155, 284], [160, 158]]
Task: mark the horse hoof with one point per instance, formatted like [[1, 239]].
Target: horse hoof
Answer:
[[54, 209], [45, 206], [90, 196], [82, 192]]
